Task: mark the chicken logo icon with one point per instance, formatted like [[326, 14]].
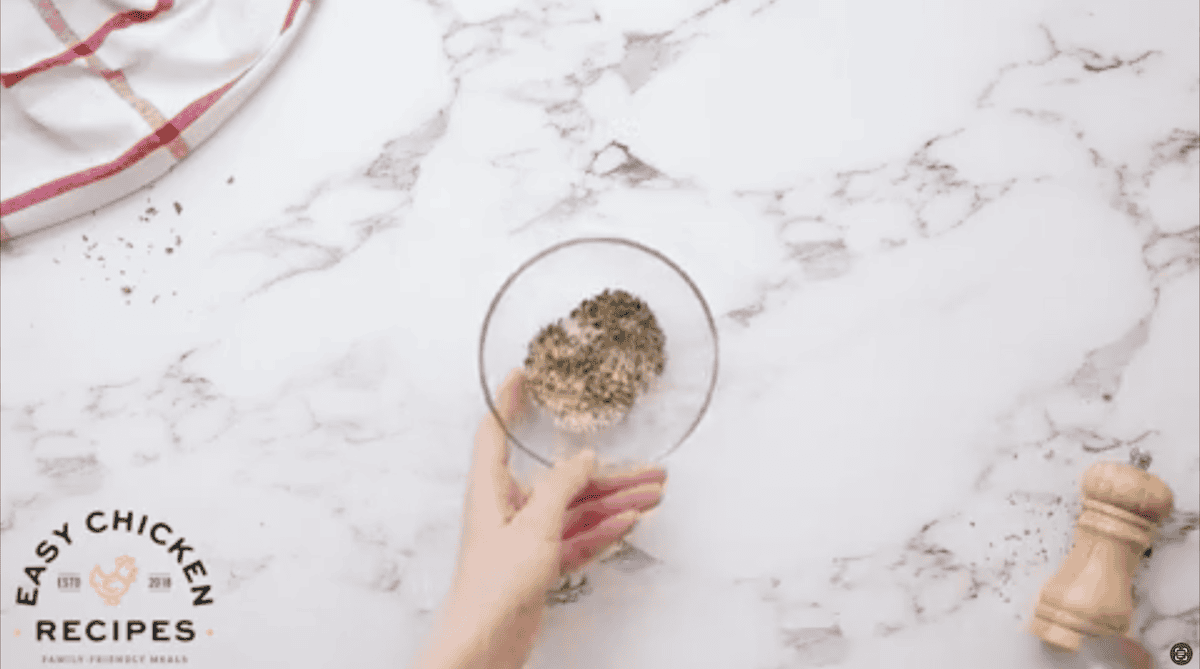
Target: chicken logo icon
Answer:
[[112, 586]]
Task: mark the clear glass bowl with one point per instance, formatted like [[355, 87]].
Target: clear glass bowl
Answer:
[[546, 288]]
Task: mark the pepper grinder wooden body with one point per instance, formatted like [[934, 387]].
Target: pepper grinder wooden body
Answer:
[[1092, 593]]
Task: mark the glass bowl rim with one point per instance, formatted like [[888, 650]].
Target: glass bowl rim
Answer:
[[712, 327]]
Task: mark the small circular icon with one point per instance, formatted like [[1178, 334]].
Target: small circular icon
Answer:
[[1181, 653]]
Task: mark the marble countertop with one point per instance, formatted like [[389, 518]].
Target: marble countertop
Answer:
[[952, 250]]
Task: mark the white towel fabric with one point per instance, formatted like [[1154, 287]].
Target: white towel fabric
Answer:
[[101, 97]]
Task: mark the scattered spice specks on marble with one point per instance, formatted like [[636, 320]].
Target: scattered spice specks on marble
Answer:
[[795, 260]]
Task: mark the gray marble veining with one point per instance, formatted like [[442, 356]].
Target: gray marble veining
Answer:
[[953, 250]]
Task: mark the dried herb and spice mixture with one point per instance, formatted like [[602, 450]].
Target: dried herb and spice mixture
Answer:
[[590, 369]]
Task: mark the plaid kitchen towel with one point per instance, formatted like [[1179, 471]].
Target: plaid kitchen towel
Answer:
[[101, 97]]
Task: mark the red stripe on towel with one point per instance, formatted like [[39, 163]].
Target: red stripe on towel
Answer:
[[161, 137], [88, 46], [291, 15]]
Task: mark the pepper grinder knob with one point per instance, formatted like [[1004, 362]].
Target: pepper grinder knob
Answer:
[[1092, 593]]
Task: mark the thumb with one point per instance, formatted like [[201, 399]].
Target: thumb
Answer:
[[543, 513]]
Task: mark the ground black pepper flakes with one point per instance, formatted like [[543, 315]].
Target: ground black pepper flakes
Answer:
[[589, 370]]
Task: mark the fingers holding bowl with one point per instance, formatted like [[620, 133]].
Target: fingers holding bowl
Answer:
[[582, 518], [582, 548], [607, 485]]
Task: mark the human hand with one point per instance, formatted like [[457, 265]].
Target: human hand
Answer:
[[516, 542]]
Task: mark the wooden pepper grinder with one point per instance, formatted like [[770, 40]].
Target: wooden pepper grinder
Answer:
[[1092, 593]]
